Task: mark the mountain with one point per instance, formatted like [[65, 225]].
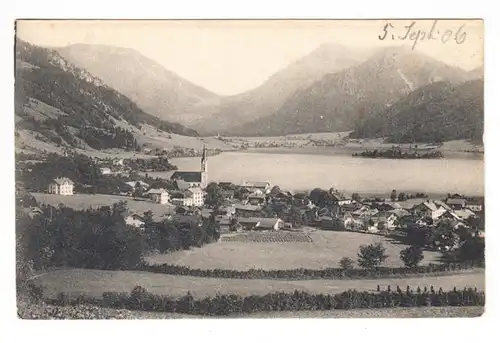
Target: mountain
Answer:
[[437, 112], [267, 98], [338, 101], [477, 73], [64, 105], [153, 88]]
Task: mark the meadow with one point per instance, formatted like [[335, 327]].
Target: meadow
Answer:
[[325, 251], [93, 283], [85, 201]]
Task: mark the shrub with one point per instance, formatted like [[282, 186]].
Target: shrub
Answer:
[[227, 304], [346, 263], [371, 256], [412, 256]]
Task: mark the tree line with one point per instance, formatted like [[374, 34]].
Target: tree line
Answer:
[[100, 238], [226, 304], [307, 274]]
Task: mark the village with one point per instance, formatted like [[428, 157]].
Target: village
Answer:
[[261, 206]]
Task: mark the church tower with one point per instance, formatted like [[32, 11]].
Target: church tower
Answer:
[[204, 168]]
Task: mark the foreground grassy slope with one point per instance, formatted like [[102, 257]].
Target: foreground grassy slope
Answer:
[[42, 311], [94, 282], [325, 251]]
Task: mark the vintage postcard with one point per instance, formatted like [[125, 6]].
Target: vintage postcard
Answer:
[[249, 168]]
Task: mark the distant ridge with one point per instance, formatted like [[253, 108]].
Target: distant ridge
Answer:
[[433, 113], [67, 106], [339, 101], [156, 90]]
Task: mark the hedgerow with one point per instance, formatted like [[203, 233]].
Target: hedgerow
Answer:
[[305, 274], [221, 304]]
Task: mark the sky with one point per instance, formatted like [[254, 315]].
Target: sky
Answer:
[[233, 56]]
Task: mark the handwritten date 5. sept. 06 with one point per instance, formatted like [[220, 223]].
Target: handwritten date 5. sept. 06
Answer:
[[413, 34]]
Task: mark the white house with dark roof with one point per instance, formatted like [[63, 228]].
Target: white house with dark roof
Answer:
[[159, 196], [135, 220], [263, 186], [255, 223], [61, 186]]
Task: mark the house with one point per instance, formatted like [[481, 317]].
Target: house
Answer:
[[105, 171], [340, 199], [265, 187], [118, 162], [256, 223], [399, 212], [159, 196], [475, 205], [135, 220], [62, 186], [247, 210], [347, 208], [181, 185], [256, 199], [351, 223], [181, 198], [464, 214], [133, 184], [32, 212], [198, 196], [224, 223], [456, 203], [424, 209]]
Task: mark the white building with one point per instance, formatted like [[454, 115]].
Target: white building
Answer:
[[198, 197], [135, 220], [181, 198], [105, 171], [62, 186], [159, 196]]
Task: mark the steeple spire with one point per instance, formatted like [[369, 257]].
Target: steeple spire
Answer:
[[204, 159]]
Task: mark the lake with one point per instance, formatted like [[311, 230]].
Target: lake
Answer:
[[366, 176]]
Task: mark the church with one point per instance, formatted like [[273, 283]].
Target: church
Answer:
[[195, 178]]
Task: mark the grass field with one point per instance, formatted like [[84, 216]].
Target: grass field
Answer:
[[84, 201], [325, 251], [94, 282]]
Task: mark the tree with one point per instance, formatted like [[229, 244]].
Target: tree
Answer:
[[275, 190], [371, 256], [233, 225], [394, 195], [402, 196], [356, 197], [346, 263], [214, 195], [412, 256]]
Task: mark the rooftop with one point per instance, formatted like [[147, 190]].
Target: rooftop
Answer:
[[63, 180], [188, 176]]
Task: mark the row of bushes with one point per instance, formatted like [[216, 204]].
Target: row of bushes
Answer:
[[141, 299], [302, 273]]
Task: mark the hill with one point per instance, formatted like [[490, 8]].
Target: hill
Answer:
[[153, 88], [437, 112], [338, 101], [266, 99], [60, 104]]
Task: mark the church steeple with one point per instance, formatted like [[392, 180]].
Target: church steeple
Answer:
[[204, 159], [204, 168]]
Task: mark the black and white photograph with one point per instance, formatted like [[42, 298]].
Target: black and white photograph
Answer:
[[193, 169]]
